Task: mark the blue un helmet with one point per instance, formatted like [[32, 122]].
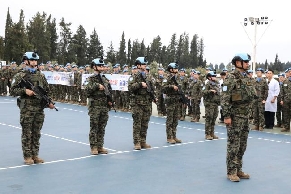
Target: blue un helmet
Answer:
[[97, 62], [241, 57], [210, 74], [30, 56], [261, 70], [173, 66], [141, 61]]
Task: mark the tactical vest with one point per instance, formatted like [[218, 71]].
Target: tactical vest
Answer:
[[212, 97], [243, 91], [97, 94]]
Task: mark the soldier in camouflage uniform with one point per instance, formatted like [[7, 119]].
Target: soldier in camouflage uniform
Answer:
[[4, 76], [279, 116], [98, 107], [211, 96], [261, 88], [286, 101], [195, 93], [183, 82], [31, 108], [173, 101], [160, 93], [125, 95], [237, 95], [76, 87], [141, 102]]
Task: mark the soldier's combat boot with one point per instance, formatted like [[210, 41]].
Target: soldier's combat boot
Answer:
[[102, 151], [261, 128], [137, 146], [214, 136], [233, 177], [28, 161], [243, 175], [285, 130], [255, 128], [94, 151], [182, 118], [177, 140], [145, 146], [193, 120], [171, 141], [37, 160], [208, 137]]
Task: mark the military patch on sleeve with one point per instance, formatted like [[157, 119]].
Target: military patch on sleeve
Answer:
[[13, 81], [165, 80], [130, 79], [224, 88]]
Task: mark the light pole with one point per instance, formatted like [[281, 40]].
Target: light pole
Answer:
[[255, 22]]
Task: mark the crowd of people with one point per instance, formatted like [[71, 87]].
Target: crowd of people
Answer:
[[241, 96]]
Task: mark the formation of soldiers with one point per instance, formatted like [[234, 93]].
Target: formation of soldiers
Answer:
[[192, 85]]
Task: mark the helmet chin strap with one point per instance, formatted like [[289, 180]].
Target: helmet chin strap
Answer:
[[241, 62]]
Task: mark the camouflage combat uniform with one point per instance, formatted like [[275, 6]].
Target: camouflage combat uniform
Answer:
[[237, 94], [98, 111], [195, 93], [183, 82], [31, 111], [160, 95], [261, 88], [286, 98], [141, 109], [211, 103], [174, 105]]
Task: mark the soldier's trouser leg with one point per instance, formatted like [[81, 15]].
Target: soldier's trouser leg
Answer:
[[278, 114], [98, 121], [172, 119], [141, 116], [237, 135], [1, 86], [5, 84], [286, 114], [211, 114], [31, 123]]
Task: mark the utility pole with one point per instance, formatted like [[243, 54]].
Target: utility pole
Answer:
[[255, 22]]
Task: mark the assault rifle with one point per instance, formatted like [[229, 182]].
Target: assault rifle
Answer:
[[107, 91], [183, 99], [39, 92], [150, 89]]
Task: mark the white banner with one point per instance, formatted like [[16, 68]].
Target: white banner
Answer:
[[117, 81], [62, 78]]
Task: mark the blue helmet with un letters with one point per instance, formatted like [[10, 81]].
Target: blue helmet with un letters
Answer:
[[173, 66], [241, 57], [30, 56], [97, 62], [141, 61]]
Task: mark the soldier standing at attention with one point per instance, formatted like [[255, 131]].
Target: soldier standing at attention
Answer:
[[141, 103], [286, 101], [261, 87], [98, 107], [31, 108], [173, 101], [211, 96], [237, 95]]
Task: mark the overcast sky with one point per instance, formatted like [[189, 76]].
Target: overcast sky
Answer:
[[219, 23]]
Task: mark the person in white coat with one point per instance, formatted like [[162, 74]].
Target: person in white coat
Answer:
[[271, 102]]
